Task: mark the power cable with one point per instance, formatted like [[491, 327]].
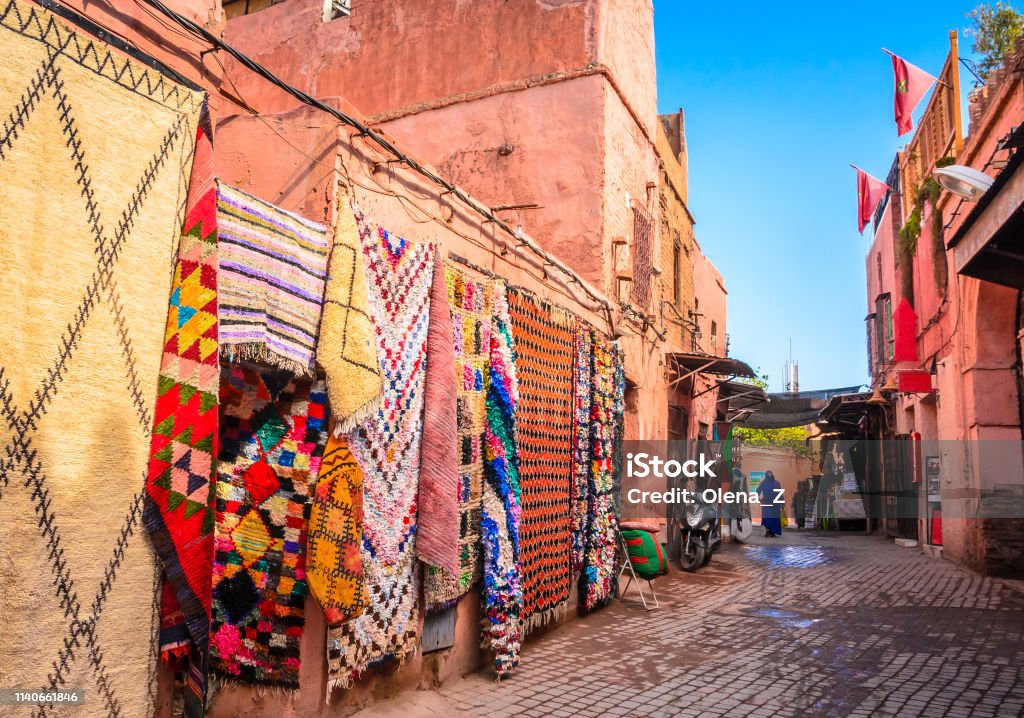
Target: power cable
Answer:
[[371, 135]]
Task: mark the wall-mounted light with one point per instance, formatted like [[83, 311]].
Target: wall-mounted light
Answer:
[[962, 181]]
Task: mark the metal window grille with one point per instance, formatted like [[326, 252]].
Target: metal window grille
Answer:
[[643, 255], [677, 285], [885, 342]]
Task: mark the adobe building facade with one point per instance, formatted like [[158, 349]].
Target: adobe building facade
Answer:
[[550, 111], [547, 112], [929, 316]]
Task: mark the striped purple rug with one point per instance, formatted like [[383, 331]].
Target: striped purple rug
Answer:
[[273, 265]]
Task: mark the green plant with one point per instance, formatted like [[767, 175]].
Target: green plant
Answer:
[[908, 235], [793, 439], [995, 32]]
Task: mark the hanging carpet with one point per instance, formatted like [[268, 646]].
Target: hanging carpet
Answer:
[[470, 301], [598, 580], [272, 434], [273, 265], [583, 349], [502, 631], [95, 156], [387, 447], [334, 565], [544, 364], [347, 347], [437, 525], [178, 511]]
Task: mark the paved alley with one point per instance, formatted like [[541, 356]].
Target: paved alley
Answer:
[[816, 624]]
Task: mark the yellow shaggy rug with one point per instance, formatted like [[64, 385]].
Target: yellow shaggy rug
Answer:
[[95, 153]]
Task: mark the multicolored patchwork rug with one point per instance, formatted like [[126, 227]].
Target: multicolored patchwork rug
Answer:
[[273, 265], [179, 497], [544, 363], [502, 632], [598, 580], [334, 563], [437, 525], [470, 301], [583, 350], [272, 436], [387, 447], [95, 153]]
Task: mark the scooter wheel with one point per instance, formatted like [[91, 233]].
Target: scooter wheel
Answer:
[[740, 529], [691, 562]]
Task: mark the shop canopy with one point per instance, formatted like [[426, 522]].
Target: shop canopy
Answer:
[[685, 366], [743, 398], [845, 411], [787, 409]]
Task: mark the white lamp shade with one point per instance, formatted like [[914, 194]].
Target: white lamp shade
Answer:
[[962, 181]]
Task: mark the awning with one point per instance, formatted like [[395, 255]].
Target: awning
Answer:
[[845, 411], [989, 245], [741, 395], [686, 365], [786, 409]]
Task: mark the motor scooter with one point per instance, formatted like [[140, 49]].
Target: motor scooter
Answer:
[[701, 532]]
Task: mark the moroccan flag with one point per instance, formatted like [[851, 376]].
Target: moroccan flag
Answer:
[[869, 193], [911, 85]]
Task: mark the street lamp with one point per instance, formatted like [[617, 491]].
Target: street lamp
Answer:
[[962, 181]]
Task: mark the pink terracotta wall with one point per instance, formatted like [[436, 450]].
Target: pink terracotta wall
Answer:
[[543, 127], [390, 55]]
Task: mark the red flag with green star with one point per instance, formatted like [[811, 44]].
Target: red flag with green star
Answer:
[[869, 193], [912, 83]]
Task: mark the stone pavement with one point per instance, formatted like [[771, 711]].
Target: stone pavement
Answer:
[[810, 624]]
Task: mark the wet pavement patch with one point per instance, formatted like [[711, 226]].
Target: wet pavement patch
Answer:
[[790, 556], [784, 616]]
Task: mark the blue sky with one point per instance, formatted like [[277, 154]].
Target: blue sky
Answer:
[[779, 99]]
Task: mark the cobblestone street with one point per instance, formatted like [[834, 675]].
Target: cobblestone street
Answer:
[[815, 624]]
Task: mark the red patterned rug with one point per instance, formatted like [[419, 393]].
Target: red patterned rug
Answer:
[[544, 362]]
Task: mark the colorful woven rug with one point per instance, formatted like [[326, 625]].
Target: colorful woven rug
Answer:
[[598, 581], [347, 348], [273, 430], [273, 265], [544, 364], [470, 301], [179, 502], [502, 632], [619, 407], [95, 152], [437, 526], [387, 447], [334, 565], [583, 350]]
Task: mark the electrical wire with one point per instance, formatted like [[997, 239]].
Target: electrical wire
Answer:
[[375, 137]]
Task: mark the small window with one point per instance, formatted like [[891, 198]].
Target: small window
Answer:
[[714, 336], [333, 9]]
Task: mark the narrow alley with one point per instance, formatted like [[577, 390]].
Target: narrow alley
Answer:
[[819, 624]]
